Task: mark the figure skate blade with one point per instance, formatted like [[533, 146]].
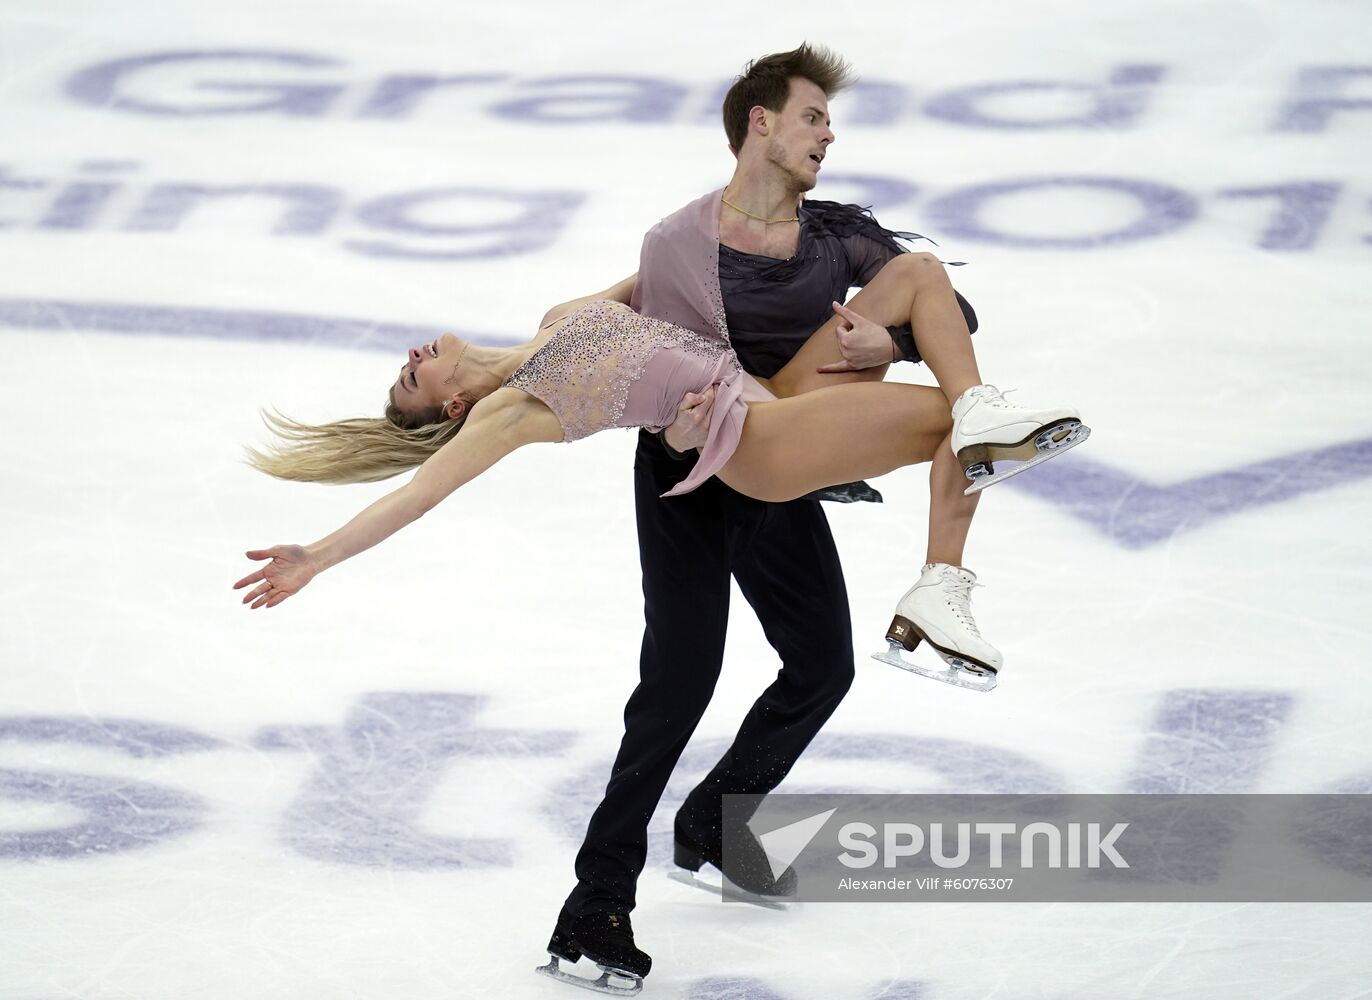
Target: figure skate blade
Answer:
[[729, 891], [948, 673], [1047, 450], [553, 970]]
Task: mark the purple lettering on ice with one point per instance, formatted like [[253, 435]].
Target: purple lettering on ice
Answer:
[[362, 804], [1115, 104], [1335, 828], [1164, 208], [396, 96], [120, 814], [940, 765], [1208, 742], [1302, 209], [564, 100], [423, 222], [1137, 514], [1318, 96], [1202, 743], [309, 208], [867, 102], [869, 190], [223, 324], [539, 216], [12, 183], [79, 203], [104, 85], [129, 736]]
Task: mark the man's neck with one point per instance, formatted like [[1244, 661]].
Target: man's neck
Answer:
[[760, 191]]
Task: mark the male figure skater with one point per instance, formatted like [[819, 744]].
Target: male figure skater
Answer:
[[782, 263]]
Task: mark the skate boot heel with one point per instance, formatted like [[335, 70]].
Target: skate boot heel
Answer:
[[687, 857], [560, 946], [974, 455], [988, 428], [607, 939], [937, 611], [904, 633]]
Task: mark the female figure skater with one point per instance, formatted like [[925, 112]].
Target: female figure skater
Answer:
[[602, 366]]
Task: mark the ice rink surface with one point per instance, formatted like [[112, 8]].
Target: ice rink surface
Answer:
[[376, 790]]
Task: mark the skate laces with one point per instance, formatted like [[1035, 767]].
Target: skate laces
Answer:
[[994, 397], [957, 591]]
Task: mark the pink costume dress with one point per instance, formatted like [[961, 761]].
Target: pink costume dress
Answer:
[[607, 366]]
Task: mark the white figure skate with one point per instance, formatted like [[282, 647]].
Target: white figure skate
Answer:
[[937, 609], [987, 429]]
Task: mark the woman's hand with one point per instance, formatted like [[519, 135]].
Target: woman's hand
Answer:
[[862, 343], [291, 567]]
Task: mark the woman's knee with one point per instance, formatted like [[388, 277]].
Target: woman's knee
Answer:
[[915, 268]]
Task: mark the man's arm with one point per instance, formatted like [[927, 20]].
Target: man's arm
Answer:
[[621, 292]]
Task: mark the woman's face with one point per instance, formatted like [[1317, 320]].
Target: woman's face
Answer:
[[428, 378]]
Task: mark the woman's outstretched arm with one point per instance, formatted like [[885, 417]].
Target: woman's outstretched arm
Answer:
[[499, 424]]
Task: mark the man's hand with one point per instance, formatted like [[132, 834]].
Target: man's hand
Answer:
[[862, 343], [691, 427]]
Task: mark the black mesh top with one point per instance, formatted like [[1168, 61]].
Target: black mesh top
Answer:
[[773, 306]]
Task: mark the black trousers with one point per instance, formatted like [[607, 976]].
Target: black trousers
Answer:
[[787, 567]]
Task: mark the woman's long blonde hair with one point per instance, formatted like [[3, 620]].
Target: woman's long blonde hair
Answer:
[[359, 450]]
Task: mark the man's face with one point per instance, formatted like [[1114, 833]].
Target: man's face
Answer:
[[800, 134]]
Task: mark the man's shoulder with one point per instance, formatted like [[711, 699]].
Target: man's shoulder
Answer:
[[689, 214], [853, 222], [842, 219]]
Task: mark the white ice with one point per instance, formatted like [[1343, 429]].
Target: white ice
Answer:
[[126, 508]]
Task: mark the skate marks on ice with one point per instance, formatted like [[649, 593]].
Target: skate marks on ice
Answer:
[[348, 812], [362, 803], [1137, 514], [109, 814], [755, 988], [742, 987]]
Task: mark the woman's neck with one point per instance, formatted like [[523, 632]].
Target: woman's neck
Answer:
[[483, 370]]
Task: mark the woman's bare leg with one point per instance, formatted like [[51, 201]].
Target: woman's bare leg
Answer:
[[912, 288], [950, 512], [793, 446], [799, 375], [907, 290]]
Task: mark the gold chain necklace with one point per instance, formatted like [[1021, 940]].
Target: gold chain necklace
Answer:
[[453, 377], [758, 217]]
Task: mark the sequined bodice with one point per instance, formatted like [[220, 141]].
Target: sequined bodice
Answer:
[[604, 354]]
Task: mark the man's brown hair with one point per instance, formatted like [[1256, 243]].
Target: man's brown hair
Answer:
[[767, 81]]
